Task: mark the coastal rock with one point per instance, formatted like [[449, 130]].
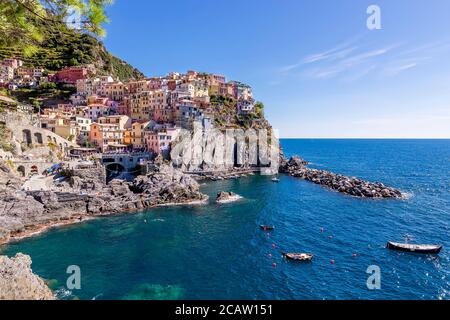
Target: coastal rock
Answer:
[[4, 235], [86, 194], [18, 282], [226, 197], [296, 167], [167, 185]]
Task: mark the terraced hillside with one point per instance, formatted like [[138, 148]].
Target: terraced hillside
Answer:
[[64, 48]]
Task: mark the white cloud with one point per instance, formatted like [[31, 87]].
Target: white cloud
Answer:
[[350, 62], [393, 71]]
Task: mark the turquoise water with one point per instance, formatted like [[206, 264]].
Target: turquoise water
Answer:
[[218, 251]]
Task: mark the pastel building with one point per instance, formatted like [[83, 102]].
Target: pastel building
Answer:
[[137, 134], [245, 106], [6, 73], [71, 75], [160, 140], [187, 113], [115, 91], [95, 111], [144, 104], [109, 133], [84, 128]]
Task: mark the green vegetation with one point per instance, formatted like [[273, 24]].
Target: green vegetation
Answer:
[[67, 173], [259, 109], [25, 23], [225, 114], [6, 103], [41, 37], [47, 93], [5, 139], [224, 110], [73, 48]]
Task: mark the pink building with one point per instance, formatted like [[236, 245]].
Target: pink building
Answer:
[[160, 141]]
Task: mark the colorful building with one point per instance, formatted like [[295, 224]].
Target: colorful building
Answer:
[[109, 133]]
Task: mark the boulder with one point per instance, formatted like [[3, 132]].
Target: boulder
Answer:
[[18, 282], [225, 197]]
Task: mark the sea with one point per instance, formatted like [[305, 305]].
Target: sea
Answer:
[[218, 251]]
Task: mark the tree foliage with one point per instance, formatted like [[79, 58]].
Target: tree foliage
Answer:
[[25, 23]]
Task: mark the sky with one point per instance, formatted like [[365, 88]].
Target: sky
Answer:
[[316, 66]]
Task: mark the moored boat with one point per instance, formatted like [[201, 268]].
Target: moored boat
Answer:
[[298, 256], [417, 248], [267, 228]]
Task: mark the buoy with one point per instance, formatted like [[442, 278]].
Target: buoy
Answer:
[[322, 230], [354, 254], [274, 265], [269, 255], [332, 261], [330, 237], [273, 245]]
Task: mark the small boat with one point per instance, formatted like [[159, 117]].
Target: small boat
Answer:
[[267, 228], [275, 179], [417, 248], [298, 256]]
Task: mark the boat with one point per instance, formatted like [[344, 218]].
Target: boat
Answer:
[[416, 248], [298, 256], [275, 179], [267, 228]]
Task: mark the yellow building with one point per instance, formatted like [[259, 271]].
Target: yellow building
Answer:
[[137, 134], [143, 105], [67, 128]]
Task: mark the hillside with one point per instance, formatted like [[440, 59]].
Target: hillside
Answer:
[[64, 47]]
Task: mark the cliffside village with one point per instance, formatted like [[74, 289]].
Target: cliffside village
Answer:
[[139, 115]]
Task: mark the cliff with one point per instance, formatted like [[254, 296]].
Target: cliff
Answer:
[[18, 282], [84, 194]]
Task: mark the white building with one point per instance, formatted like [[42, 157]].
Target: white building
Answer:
[[245, 106], [6, 73]]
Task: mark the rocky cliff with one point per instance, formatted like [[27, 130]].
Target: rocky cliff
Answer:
[[18, 282], [85, 194]]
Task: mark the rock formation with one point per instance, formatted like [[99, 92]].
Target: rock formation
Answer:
[[18, 282], [296, 167], [226, 197], [85, 194]]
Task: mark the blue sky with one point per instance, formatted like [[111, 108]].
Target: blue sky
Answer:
[[318, 69]]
